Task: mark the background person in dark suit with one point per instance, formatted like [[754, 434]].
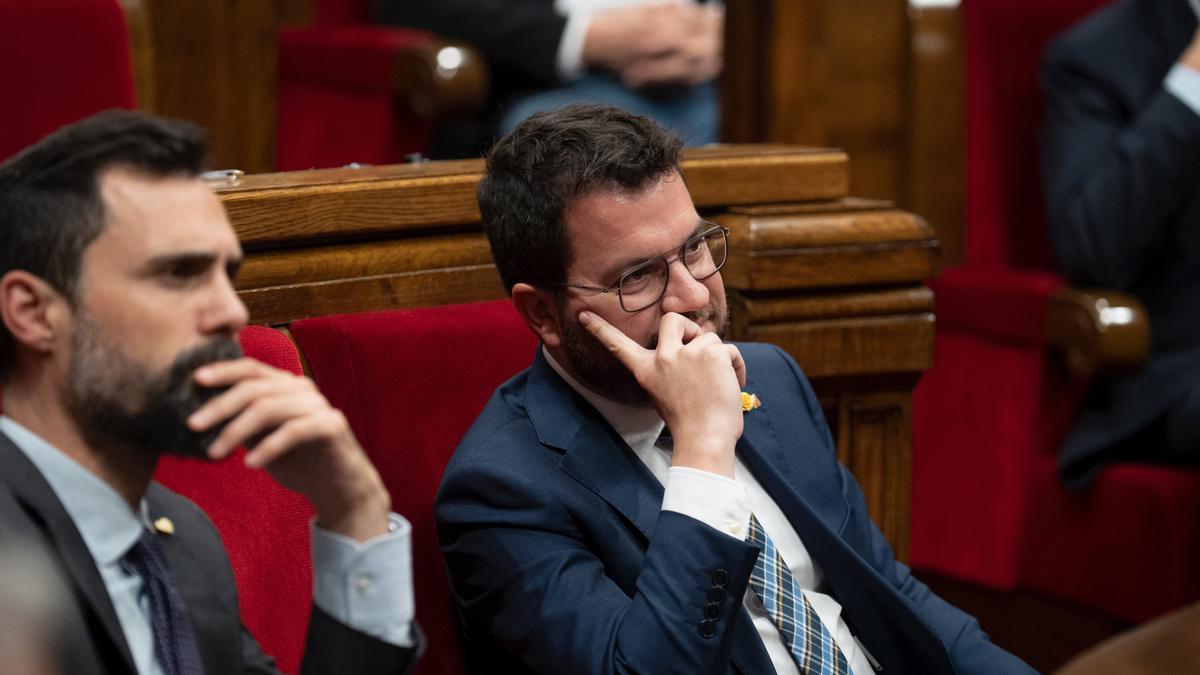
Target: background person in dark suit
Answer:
[[581, 540], [1121, 163], [119, 344], [652, 57]]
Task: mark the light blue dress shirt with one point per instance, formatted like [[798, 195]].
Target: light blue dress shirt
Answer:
[[1183, 81], [367, 586]]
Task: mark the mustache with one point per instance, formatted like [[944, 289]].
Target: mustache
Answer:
[[220, 349], [706, 314]]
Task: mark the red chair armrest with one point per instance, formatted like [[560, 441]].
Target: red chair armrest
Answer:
[[356, 57]]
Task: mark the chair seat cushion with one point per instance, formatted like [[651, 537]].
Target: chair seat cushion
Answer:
[[411, 382], [1128, 546]]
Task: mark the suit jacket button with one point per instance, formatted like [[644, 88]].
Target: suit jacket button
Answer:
[[712, 610], [716, 595], [707, 628], [720, 577]]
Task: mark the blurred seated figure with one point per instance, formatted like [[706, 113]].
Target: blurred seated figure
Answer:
[[1121, 159], [1164, 646], [656, 58], [34, 636]]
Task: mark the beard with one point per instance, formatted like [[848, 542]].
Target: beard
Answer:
[[596, 366], [116, 400]]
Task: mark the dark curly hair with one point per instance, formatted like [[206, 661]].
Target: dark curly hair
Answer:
[[549, 160]]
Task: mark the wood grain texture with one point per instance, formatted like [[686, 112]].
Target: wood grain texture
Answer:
[[836, 248], [872, 443], [937, 133], [291, 207], [830, 74], [215, 64]]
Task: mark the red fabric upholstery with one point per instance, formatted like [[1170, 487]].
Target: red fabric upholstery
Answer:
[[411, 382], [1129, 546], [340, 12], [60, 61], [987, 505], [264, 527], [977, 414], [336, 97], [1006, 226]]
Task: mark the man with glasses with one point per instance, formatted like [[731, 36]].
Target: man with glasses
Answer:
[[623, 505]]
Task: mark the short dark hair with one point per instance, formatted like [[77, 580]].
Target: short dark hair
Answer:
[[50, 204], [537, 170]]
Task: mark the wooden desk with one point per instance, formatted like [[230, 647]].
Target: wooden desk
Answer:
[[834, 280]]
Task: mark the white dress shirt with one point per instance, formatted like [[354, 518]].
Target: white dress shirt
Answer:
[[1184, 82], [726, 505], [382, 607]]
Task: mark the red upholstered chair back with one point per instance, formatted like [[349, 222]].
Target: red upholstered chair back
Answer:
[[1006, 225], [60, 61], [411, 382], [339, 12], [264, 527]]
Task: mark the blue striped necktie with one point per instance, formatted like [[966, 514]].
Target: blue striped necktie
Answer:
[[811, 645], [174, 643]]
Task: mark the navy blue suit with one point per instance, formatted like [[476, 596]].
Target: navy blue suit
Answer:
[[561, 560], [1121, 166]]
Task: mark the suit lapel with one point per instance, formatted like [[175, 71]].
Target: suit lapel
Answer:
[[600, 460], [214, 614], [1175, 22], [881, 619], [32, 490], [594, 454]]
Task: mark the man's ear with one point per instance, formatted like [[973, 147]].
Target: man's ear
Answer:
[[32, 310], [540, 312]]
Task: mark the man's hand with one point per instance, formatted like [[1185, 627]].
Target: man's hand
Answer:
[[657, 44], [1191, 55], [291, 430], [695, 382]]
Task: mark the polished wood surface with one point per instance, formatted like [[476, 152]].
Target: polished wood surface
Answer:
[[822, 73], [836, 281], [1098, 331], [215, 64], [937, 132], [877, 78]]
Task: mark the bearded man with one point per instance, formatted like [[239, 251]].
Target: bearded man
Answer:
[[616, 508], [119, 344]]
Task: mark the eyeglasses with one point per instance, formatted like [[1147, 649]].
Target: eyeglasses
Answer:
[[646, 283]]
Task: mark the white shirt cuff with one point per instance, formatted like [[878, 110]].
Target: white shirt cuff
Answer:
[[368, 585], [719, 502], [1184, 83], [570, 47]]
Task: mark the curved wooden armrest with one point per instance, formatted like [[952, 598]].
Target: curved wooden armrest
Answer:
[[443, 78], [1098, 331]]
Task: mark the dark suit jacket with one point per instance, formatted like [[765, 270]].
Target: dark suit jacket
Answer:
[[561, 560], [30, 512], [1121, 159], [519, 37]]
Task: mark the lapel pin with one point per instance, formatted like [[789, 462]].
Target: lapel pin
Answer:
[[164, 526], [750, 402]]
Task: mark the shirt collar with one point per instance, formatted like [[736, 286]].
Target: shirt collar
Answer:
[[108, 527], [638, 426]]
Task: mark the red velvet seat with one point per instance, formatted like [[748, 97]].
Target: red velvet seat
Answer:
[[987, 505], [264, 527], [411, 382], [60, 61], [337, 96]]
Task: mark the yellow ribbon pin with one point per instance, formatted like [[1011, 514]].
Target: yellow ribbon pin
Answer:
[[750, 402]]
